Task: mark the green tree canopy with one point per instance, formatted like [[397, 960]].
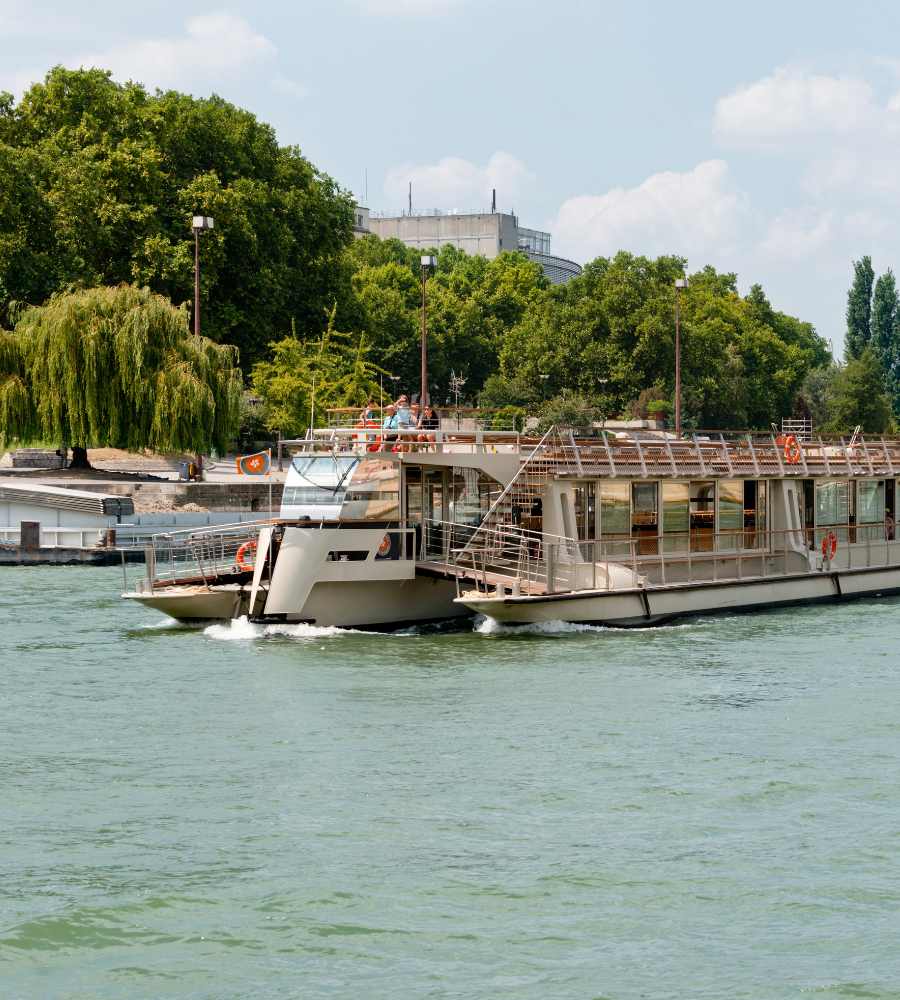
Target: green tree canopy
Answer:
[[98, 184], [117, 367], [858, 397]]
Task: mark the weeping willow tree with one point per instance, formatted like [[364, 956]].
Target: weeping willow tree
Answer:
[[16, 412], [119, 368], [333, 370]]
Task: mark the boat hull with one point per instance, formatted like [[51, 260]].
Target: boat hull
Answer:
[[346, 604], [659, 605]]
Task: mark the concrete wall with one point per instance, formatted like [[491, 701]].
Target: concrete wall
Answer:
[[12, 512], [487, 234], [212, 496]]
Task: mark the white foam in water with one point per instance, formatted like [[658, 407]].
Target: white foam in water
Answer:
[[241, 629], [487, 626]]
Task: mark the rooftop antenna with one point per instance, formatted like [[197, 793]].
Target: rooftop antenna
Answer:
[[366, 185], [410, 197], [493, 200]]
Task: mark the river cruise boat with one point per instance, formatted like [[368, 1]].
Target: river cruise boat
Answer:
[[621, 528]]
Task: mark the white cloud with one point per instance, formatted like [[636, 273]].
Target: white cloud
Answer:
[[792, 104], [407, 8], [213, 47], [455, 183], [697, 213], [795, 235]]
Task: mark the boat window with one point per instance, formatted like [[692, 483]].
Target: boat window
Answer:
[[644, 518], [615, 518], [319, 496], [471, 500], [754, 514], [372, 492], [731, 513], [870, 508], [585, 512], [703, 516], [675, 505], [832, 509]]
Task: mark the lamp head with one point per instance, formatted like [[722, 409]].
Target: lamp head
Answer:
[[202, 222]]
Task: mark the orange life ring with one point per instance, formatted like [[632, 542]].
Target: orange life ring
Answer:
[[375, 445], [247, 547], [385, 547], [829, 546], [792, 452]]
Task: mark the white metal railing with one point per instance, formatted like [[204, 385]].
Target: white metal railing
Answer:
[[563, 565]]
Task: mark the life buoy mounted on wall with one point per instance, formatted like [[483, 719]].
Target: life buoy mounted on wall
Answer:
[[829, 546]]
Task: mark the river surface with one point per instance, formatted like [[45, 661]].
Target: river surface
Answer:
[[706, 810]]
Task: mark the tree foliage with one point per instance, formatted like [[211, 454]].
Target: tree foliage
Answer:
[[98, 184], [117, 367], [859, 309], [332, 371], [858, 397]]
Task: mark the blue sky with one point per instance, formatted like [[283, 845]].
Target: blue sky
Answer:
[[759, 138]]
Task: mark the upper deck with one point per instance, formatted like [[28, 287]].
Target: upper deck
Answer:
[[644, 455]]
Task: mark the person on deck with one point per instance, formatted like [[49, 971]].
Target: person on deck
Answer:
[[428, 424], [389, 426]]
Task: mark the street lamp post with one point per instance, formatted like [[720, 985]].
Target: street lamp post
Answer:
[[680, 285], [429, 263], [200, 224]]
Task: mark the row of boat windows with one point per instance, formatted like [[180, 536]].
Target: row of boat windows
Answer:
[[683, 513], [691, 514]]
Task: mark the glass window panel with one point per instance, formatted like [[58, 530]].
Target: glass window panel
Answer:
[[731, 505], [615, 509], [832, 503], [870, 501], [675, 514]]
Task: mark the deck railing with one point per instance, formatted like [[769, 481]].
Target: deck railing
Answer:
[[517, 560], [642, 455]]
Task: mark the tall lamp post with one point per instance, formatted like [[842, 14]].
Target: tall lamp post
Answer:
[[200, 225], [429, 263], [680, 285]]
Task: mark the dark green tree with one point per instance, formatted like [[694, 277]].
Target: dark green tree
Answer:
[[858, 397], [885, 321], [859, 309], [98, 184]]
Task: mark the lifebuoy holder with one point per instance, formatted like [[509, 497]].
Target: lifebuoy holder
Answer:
[[240, 561], [384, 547], [792, 452], [829, 546]]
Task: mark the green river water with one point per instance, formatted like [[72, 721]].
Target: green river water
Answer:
[[705, 810]]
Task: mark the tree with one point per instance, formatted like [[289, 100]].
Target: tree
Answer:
[[118, 367], [332, 371], [858, 397], [885, 319], [859, 309], [98, 183]]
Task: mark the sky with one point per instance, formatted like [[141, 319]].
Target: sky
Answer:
[[763, 139]]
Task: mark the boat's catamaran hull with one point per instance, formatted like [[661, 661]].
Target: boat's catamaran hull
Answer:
[[658, 606]]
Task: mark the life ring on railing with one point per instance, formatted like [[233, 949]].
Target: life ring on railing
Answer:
[[792, 452], [245, 549], [385, 547], [829, 546]]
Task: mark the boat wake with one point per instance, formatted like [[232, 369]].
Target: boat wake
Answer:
[[487, 626], [243, 630]]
